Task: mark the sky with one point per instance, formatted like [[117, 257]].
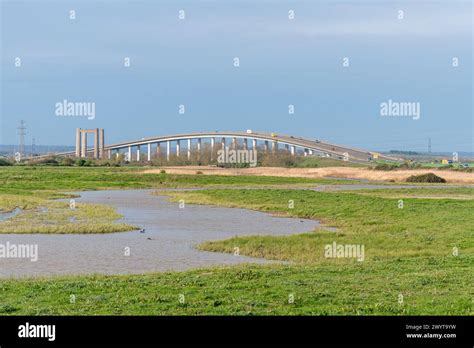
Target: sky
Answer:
[[283, 62]]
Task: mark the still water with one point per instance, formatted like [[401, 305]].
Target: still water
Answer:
[[167, 244]]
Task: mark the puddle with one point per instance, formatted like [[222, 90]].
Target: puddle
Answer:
[[10, 214]]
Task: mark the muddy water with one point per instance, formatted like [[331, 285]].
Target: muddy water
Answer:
[[166, 245], [7, 215]]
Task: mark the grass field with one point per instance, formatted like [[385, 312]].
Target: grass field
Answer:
[[428, 286], [418, 259], [17, 178], [32, 188], [423, 227]]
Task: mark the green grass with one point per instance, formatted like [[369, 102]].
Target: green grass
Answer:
[[86, 178], [425, 192], [32, 189], [43, 216], [428, 285], [424, 227], [408, 252]]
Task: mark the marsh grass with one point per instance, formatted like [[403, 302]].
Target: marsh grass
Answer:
[[100, 178], [424, 227], [43, 216], [430, 286], [408, 251]]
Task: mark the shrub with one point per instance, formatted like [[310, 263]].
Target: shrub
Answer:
[[67, 161], [80, 162], [49, 161], [429, 177], [198, 172], [279, 159], [5, 162], [162, 171], [385, 166]]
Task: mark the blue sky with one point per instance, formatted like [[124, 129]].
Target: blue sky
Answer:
[[282, 62]]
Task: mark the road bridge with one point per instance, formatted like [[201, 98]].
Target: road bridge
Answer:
[[187, 143]]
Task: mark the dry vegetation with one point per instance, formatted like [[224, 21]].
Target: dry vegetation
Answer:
[[339, 172]]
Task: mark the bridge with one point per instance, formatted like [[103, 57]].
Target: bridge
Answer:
[[162, 146]]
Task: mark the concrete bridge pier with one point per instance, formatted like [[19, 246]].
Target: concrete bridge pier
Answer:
[[83, 144], [189, 149], [149, 152], [177, 148], [213, 142], [292, 150], [199, 148], [138, 153], [234, 143], [96, 143], [245, 144], [265, 147], [158, 150], [254, 144], [223, 144], [101, 143], [78, 142], [199, 145], [168, 150], [274, 146], [130, 154]]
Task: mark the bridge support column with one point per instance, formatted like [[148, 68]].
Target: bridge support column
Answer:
[[130, 154], [138, 153], [78, 142], [84, 144], [101, 143], [189, 149], [254, 144], [274, 146], [177, 148], [292, 150], [158, 150], [266, 146], [310, 151], [213, 141], [96, 143], [168, 150], [245, 144], [199, 148], [234, 143], [109, 154], [223, 144], [305, 152], [149, 152]]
